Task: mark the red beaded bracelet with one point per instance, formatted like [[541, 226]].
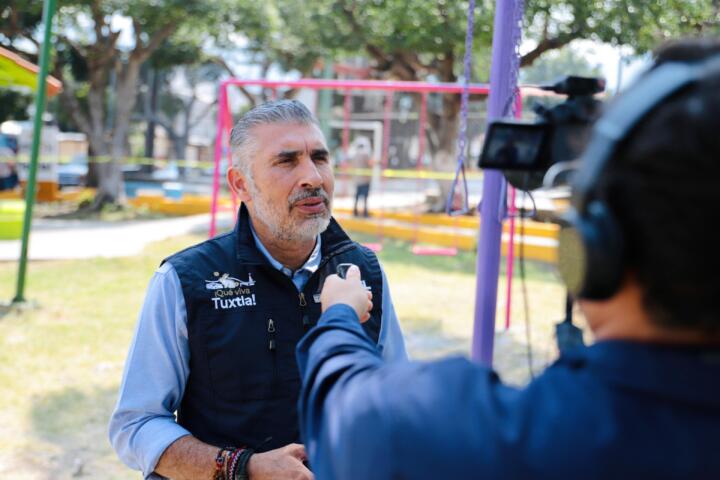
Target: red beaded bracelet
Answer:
[[220, 463], [232, 463]]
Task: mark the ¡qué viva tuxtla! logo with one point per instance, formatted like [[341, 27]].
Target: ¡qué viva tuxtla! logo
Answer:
[[230, 292]]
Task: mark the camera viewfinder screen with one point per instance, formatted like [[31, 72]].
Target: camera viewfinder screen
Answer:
[[513, 146]]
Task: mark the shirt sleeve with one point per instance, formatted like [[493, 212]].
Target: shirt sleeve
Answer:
[[361, 417], [143, 424], [390, 341]]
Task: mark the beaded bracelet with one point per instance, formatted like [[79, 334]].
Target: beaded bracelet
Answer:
[[220, 463], [232, 463]]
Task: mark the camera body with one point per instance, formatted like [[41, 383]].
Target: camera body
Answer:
[[524, 150]]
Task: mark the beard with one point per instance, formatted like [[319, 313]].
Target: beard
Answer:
[[278, 218]]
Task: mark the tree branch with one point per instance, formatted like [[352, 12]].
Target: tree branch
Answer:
[[384, 63], [400, 64], [68, 97], [168, 128], [98, 20], [547, 44], [202, 114], [222, 63], [164, 122], [63, 38], [141, 52]]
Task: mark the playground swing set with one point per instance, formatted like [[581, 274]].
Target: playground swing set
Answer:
[[388, 89], [347, 88], [503, 80]]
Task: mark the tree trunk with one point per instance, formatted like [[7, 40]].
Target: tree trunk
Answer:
[[150, 132], [111, 188], [98, 151], [90, 120], [184, 136], [180, 147], [102, 57]]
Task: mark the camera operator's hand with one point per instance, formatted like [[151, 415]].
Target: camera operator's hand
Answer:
[[349, 291]]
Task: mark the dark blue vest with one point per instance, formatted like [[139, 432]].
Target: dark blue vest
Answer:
[[244, 319]]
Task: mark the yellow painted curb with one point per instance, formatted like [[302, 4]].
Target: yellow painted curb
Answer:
[[11, 195], [187, 205], [532, 228], [535, 248], [76, 195]]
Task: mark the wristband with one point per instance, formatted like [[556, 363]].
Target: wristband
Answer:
[[220, 462], [244, 457]]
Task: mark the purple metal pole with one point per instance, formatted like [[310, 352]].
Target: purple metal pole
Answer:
[[502, 84]]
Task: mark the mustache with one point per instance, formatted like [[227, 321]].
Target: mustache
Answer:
[[308, 193]]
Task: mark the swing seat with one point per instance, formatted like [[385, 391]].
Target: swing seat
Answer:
[[439, 251]]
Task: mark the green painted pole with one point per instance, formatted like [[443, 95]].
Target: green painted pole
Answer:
[[40, 94]]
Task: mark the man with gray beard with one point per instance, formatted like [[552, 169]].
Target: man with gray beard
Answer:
[[215, 341]]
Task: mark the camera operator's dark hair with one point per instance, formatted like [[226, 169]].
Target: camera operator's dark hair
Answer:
[[664, 188]]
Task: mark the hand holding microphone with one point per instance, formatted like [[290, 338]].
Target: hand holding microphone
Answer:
[[346, 288]]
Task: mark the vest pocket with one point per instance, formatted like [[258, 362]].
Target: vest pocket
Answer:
[[241, 356]]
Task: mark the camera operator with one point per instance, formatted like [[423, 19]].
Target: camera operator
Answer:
[[642, 402]]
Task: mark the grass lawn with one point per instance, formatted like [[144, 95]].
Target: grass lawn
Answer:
[[61, 362]]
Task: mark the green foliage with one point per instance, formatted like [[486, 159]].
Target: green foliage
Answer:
[[18, 19], [14, 104], [417, 33], [75, 63], [559, 63], [177, 50], [416, 39], [640, 24], [149, 15]]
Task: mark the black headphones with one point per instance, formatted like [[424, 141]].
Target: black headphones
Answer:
[[591, 251]]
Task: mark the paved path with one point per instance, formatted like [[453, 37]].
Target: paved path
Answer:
[[65, 239]]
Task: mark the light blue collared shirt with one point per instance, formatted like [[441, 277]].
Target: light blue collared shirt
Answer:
[[143, 424], [300, 276]]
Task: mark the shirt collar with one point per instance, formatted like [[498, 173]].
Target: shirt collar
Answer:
[[310, 266]]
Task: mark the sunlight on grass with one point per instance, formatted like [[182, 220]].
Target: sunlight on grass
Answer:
[[61, 362], [435, 300]]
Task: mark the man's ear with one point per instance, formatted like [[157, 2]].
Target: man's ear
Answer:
[[238, 183]]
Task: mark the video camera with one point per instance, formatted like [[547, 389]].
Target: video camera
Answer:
[[524, 150]]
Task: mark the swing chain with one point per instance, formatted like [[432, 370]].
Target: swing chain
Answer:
[[510, 106], [464, 100]]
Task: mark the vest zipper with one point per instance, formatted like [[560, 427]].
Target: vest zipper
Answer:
[[272, 347], [305, 316], [271, 335], [325, 259]]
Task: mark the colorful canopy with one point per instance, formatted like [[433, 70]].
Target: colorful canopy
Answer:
[[18, 72]]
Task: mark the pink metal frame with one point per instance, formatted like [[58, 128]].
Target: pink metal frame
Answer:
[[225, 120], [423, 88]]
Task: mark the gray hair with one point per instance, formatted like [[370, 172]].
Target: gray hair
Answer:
[[280, 111]]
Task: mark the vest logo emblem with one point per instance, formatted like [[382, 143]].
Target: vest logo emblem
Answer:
[[226, 281], [230, 292]]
